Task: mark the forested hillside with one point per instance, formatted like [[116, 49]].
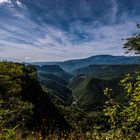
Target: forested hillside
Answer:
[[94, 106], [53, 69], [56, 88], [107, 71], [89, 92], [23, 102]]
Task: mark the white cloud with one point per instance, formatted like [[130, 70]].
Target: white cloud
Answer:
[[19, 4], [5, 1], [58, 45], [1, 1], [23, 39], [114, 10]]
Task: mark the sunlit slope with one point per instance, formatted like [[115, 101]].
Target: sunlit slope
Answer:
[[88, 91]]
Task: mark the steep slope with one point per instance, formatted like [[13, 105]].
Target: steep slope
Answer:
[[107, 71], [88, 91], [56, 88], [20, 91], [52, 77], [55, 70]]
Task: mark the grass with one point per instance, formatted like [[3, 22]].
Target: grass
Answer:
[[15, 134]]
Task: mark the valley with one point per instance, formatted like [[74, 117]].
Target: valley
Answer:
[[84, 87], [48, 97]]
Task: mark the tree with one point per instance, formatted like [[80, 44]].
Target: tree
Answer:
[[124, 118], [23, 102], [13, 110], [133, 43]]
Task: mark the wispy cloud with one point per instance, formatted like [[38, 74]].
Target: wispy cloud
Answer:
[[25, 38], [3, 1]]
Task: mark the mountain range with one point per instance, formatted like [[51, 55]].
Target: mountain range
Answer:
[[72, 65], [80, 83]]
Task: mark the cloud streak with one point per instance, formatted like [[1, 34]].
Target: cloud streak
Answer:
[[28, 36], [3, 1]]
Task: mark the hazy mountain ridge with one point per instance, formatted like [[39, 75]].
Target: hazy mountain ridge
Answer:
[[98, 60]]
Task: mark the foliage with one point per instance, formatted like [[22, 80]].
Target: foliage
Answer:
[[133, 43], [9, 134], [88, 92], [13, 109], [17, 113], [23, 102], [125, 119]]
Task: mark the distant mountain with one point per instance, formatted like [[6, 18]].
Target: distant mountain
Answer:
[[107, 71], [71, 65], [53, 69]]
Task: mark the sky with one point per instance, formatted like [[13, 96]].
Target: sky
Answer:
[[58, 30]]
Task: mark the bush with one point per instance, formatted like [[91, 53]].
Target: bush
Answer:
[[124, 119]]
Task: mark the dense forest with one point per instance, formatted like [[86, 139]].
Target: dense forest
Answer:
[[93, 102]]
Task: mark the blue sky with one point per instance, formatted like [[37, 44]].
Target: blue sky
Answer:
[[44, 30]]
